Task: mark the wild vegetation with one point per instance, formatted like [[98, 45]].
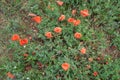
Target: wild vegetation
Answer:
[[59, 40]]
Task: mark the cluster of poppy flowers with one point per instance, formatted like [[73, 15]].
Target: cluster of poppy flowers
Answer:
[[74, 21], [57, 30], [49, 35], [10, 75], [22, 42], [77, 35]]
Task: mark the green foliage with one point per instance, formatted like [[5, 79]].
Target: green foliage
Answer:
[[45, 56]]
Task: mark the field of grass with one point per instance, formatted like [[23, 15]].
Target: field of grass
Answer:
[[60, 40]]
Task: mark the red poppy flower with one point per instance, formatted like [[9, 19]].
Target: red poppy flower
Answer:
[[77, 35], [37, 19], [84, 13], [83, 50], [23, 41], [76, 22], [61, 18], [57, 29], [60, 3], [15, 37], [95, 73], [48, 35], [71, 20], [10, 75], [65, 66]]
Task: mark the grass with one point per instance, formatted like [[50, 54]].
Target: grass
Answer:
[[100, 37]]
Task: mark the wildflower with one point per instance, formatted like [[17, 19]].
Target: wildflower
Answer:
[[74, 11], [48, 34], [70, 20], [88, 66], [27, 78], [90, 59], [60, 3], [83, 50], [77, 35], [15, 37], [95, 73], [61, 18], [37, 19], [65, 66], [106, 62], [76, 22], [15, 67], [25, 55], [24, 46], [84, 13], [23, 41], [57, 29], [10, 75]]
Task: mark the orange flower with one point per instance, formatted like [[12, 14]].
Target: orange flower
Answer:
[[65, 66], [77, 35], [15, 37], [76, 22], [74, 11], [83, 50], [48, 34], [60, 3], [23, 41], [37, 19], [10, 75], [71, 20], [61, 18], [95, 73], [84, 13], [57, 30]]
